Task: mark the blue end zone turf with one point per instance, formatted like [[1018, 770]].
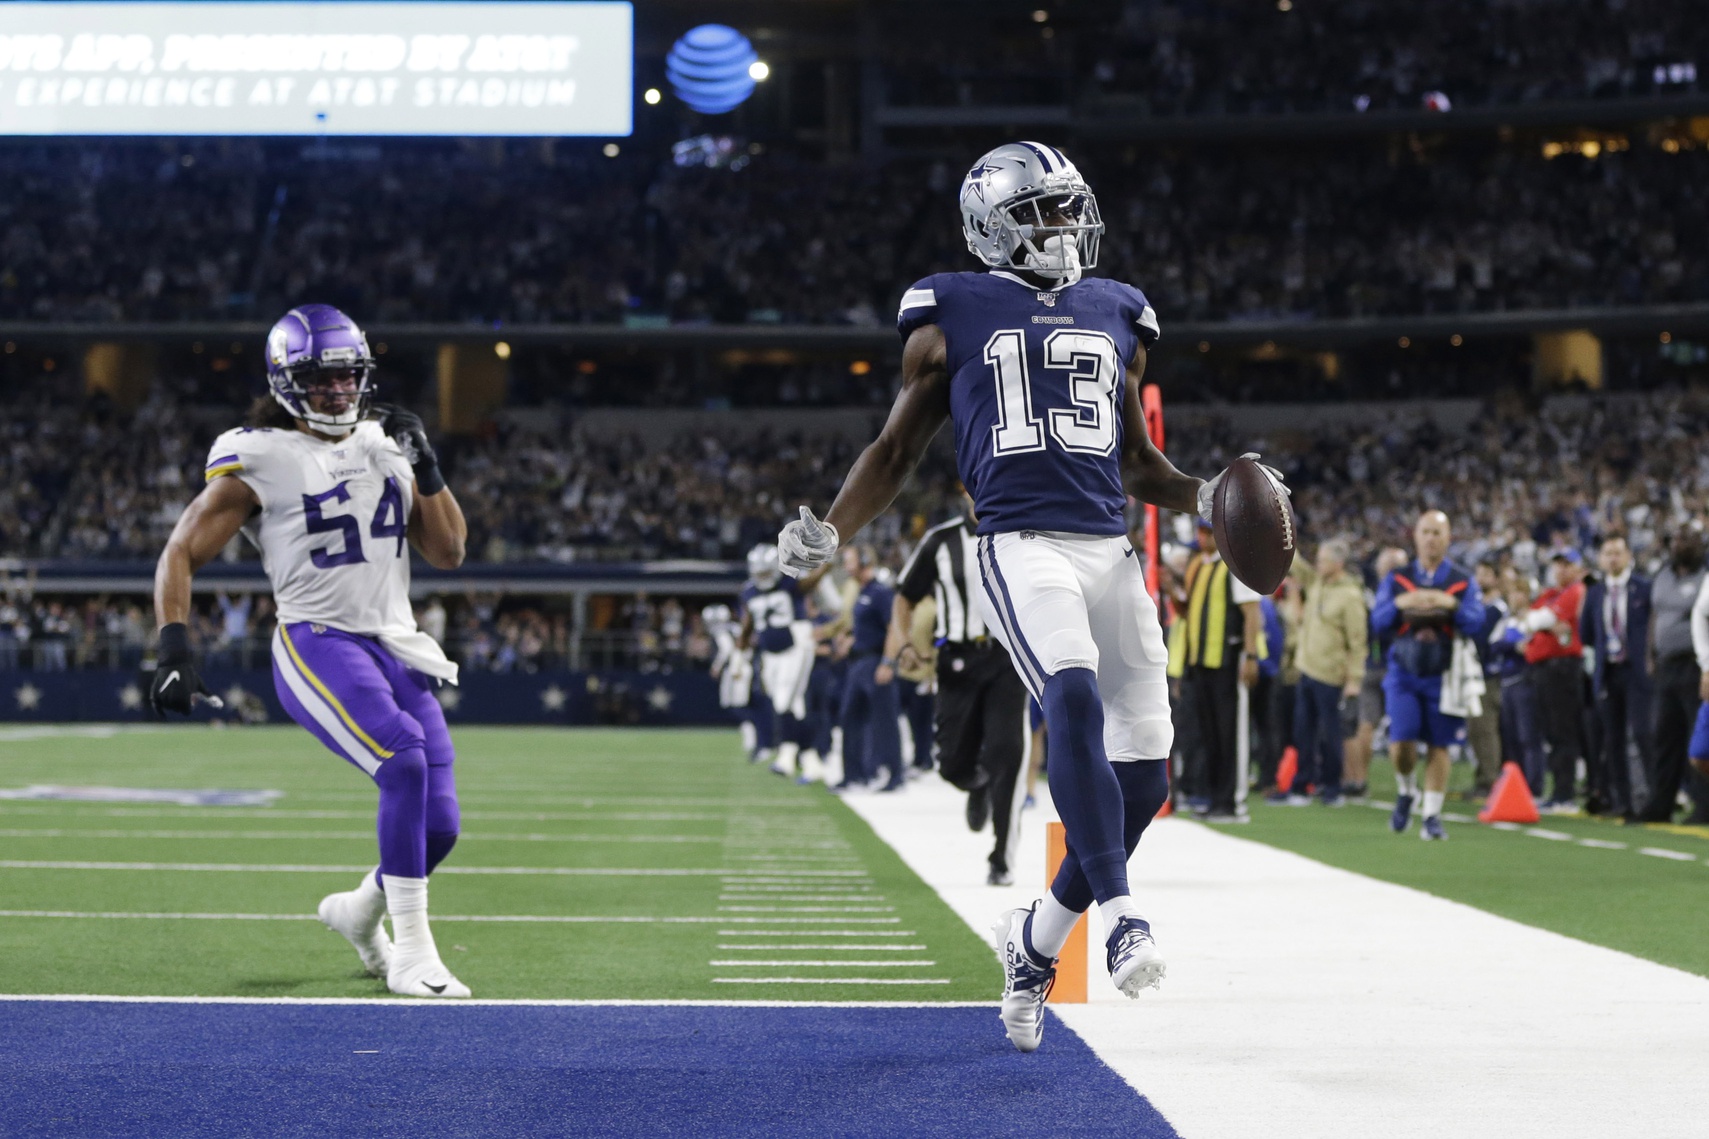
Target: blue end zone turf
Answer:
[[108, 1069]]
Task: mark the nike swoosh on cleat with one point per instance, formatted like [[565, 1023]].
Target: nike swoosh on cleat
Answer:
[[435, 988]]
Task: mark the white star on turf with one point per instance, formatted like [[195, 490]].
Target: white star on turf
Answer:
[[29, 697], [554, 698], [130, 697], [660, 699], [448, 697]]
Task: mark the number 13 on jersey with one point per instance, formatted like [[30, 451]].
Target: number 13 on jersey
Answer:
[[1093, 378]]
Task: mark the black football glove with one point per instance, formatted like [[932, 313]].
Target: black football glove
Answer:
[[176, 683], [406, 428]]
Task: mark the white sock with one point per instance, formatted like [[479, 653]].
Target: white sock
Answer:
[[1115, 910], [1433, 803], [370, 900], [786, 754], [1052, 923], [1406, 784], [406, 901], [750, 737]]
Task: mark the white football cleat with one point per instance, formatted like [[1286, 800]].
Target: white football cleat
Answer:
[[424, 977], [1135, 963], [1026, 983], [343, 913]]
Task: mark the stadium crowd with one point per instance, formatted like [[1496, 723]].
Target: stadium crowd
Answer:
[[1164, 57], [130, 233]]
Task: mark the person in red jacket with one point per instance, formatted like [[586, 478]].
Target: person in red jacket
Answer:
[[1555, 660]]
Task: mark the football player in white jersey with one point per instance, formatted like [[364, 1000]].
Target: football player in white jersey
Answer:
[[332, 491]]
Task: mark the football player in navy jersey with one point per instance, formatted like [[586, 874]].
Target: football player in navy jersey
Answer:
[[1039, 367], [775, 625]]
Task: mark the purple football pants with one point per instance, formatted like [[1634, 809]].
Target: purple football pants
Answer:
[[363, 704]]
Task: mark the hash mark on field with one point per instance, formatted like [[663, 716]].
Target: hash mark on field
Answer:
[[1602, 844], [1552, 836], [800, 897], [294, 868], [1659, 852], [817, 933], [353, 836], [831, 981], [784, 964], [863, 947], [807, 909], [526, 919]]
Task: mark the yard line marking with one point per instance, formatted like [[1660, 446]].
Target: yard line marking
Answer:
[[479, 1002], [1659, 852], [1451, 817], [353, 836], [83, 808], [863, 947], [833, 981], [294, 868], [1507, 826], [1553, 836], [799, 897], [817, 933], [1602, 844], [785, 964], [525, 919], [807, 909]]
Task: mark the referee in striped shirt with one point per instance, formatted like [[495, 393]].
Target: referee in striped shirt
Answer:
[[980, 728]]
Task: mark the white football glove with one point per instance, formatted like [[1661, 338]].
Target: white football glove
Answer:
[[1207, 490], [806, 544]]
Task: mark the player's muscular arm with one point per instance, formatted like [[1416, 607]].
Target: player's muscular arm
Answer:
[[438, 529], [920, 409], [1149, 475], [206, 525]]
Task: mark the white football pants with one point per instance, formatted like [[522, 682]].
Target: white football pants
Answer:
[[1061, 601]]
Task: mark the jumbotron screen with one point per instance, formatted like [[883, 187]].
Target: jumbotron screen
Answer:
[[269, 68]]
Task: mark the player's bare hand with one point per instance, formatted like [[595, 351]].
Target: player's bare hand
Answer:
[[806, 544], [884, 673], [1703, 687], [908, 657], [1207, 490], [1248, 672]]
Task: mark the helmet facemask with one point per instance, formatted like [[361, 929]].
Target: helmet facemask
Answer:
[[296, 387], [1053, 232]]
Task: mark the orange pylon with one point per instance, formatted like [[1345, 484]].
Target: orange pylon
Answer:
[[1510, 799], [1070, 986]]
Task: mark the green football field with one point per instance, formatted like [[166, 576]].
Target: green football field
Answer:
[[594, 864], [1640, 889]]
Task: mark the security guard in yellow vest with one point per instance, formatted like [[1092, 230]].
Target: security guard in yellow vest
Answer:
[[1215, 647]]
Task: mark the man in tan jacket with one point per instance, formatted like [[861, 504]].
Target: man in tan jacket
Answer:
[[1331, 658]]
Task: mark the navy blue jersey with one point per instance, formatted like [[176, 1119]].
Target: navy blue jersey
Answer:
[[1036, 389], [872, 617], [773, 609]]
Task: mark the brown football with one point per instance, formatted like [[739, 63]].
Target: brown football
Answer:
[[1254, 526]]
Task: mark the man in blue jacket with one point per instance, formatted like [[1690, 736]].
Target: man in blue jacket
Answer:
[[1614, 624], [1421, 606]]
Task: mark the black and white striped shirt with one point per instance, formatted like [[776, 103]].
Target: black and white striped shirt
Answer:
[[939, 566]]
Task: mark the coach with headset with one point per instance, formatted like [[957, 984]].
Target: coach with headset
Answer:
[[980, 722]]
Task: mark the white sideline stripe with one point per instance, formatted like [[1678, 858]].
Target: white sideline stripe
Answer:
[[737, 962], [1255, 935], [841, 981], [317, 707], [353, 836], [294, 868], [864, 948], [1561, 836], [476, 1002]]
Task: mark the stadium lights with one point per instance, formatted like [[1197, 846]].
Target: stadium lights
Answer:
[[652, 97], [1040, 16], [1204, 346], [611, 150], [1284, 5], [1456, 340], [1406, 342], [502, 350], [1667, 338], [860, 367], [759, 70]]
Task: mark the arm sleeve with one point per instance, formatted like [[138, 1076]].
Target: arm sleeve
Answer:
[[1700, 625], [239, 454], [1469, 614], [1385, 618], [1358, 638], [921, 572], [919, 306], [1144, 318]]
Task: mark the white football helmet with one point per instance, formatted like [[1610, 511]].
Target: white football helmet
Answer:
[[763, 565], [1008, 196]]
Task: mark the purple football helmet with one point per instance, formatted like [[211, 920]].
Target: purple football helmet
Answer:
[[311, 340]]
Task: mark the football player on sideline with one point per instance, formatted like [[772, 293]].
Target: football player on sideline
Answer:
[[330, 494], [1040, 369], [776, 626]]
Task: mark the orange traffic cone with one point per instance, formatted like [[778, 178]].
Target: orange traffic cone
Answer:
[[1287, 769], [1510, 799]]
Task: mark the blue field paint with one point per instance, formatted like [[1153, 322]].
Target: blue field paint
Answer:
[[92, 1069]]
